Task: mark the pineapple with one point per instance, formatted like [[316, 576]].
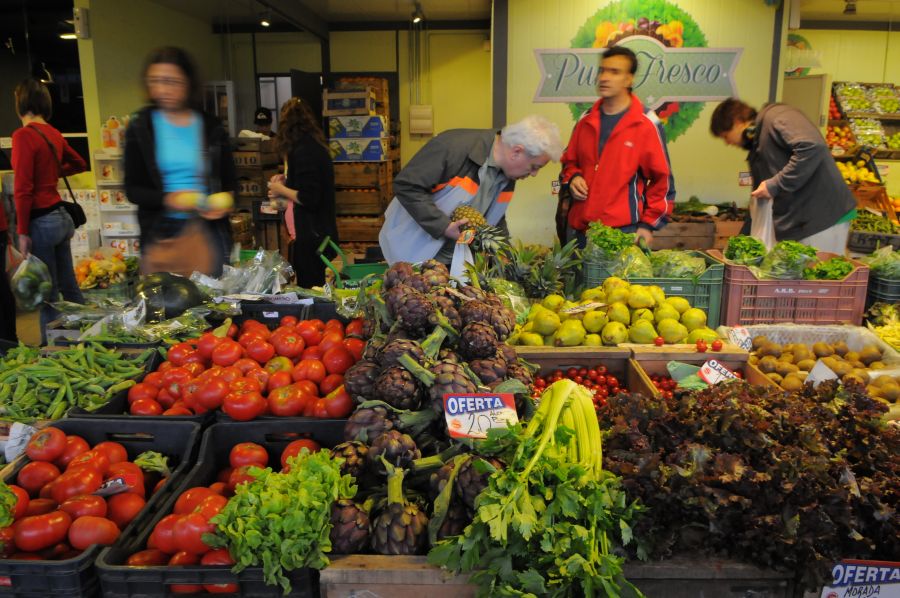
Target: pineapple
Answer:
[[476, 219]]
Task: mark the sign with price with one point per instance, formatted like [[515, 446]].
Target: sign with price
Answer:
[[713, 372], [472, 415]]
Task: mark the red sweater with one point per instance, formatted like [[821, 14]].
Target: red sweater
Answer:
[[631, 182], [36, 171]]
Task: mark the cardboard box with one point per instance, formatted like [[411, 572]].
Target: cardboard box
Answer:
[[362, 149], [349, 103], [342, 127]]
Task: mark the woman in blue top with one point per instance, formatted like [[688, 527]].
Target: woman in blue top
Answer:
[[174, 151]]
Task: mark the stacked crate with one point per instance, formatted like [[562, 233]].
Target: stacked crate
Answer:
[[256, 162], [364, 181]]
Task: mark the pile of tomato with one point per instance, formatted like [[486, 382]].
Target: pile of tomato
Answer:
[[597, 379], [248, 371], [665, 385], [62, 506], [177, 538]]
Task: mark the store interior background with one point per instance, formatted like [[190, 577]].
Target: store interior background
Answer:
[[460, 39]]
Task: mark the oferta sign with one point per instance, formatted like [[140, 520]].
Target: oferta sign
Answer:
[[677, 72]]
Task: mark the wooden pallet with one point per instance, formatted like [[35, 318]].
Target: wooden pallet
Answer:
[[685, 235], [365, 175], [361, 202], [359, 228]]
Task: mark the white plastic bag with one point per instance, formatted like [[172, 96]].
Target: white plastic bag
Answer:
[[762, 223]]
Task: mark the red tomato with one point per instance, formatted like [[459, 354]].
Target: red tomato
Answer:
[[289, 345], [248, 337], [178, 353], [312, 353], [151, 557], [184, 558], [206, 343], [47, 490], [261, 329], [309, 369], [260, 350], [288, 321], [145, 407], [131, 474], [163, 535], [716, 345], [337, 359], [33, 476], [220, 556], [165, 367], [238, 476], [308, 387], [178, 410], [165, 399], [210, 506], [174, 379], [75, 482], [245, 364], [218, 488], [278, 379], [310, 333], [189, 531], [294, 449], [260, 375], [46, 445], [87, 531], [248, 453], [75, 446], [354, 328], [124, 507], [338, 404], [287, 401], [40, 506], [279, 364], [190, 498], [195, 365], [245, 385], [330, 383], [142, 390], [334, 325], [212, 393], [331, 340], [356, 347], [22, 500], [153, 379], [84, 505], [42, 531], [244, 406], [227, 353], [7, 541], [114, 451], [229, 374]]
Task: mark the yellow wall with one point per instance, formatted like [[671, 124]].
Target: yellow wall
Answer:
[[702, 165]]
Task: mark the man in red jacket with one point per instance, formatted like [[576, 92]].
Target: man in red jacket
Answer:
[[616, 165]]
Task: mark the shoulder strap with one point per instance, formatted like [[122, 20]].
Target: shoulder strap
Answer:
[[55, 157]]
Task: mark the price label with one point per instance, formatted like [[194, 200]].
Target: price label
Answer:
[[740, 336], [284, 299], [466, 237], [713, 372], [864, 578], [555, 187], [112, 486], [578, 309], [19, 435], [472, 415], [819, 373]]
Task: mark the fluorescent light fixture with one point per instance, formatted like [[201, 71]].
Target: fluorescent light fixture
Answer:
[[265, 22], [67, 36]]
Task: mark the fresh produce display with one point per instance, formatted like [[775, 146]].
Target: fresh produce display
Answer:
[[884, 320], [296, 369], [787, 260], [839, 136], [104, 269], [868, 222], [880, 92], [744, 249], [60, 506], [884, 262], [614, 313], [893, 141], [868, 131], [787, 487], [552, 521], [36, 386], [858, 172], [834, 112], [788, 365], [596, 379], [853, 98], [835, 268]]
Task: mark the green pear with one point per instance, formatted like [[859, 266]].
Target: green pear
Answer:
[[570, 334], [706, 334], [592, 340], [619, 312], [546, 322], [642, 332], [530, 339], [534, 310], [595, 294], [641, 314], [618, 295], [567, 316], [640, 297], [614, 282], [693, 318], [672, 331], [553, 302], [665, 311], [657, 293], [614, 333], [594, 320], [679, 303]]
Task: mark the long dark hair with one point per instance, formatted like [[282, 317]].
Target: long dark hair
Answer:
[[297, 119], [180, 58]]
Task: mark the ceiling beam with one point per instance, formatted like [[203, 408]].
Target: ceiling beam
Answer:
[[298, 15]]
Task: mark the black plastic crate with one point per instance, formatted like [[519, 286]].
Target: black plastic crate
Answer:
[[270, 314], [119, 580], [865, 242], [77, 576], [324, 310]]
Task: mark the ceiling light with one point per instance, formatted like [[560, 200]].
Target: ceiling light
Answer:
[[417, 16], [265, 19], [265, 22], [67, 36]]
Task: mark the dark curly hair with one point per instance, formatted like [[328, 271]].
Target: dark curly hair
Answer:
[[297, 119]]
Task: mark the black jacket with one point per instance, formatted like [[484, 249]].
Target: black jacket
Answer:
[[311, 173], [143, 182]]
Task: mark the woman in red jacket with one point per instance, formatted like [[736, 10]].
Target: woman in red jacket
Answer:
[[44, 226]]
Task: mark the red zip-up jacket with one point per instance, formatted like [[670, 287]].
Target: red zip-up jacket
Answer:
[[632, 181], [36, 171]]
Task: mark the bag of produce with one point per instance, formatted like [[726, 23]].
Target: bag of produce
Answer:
[[884, 262], [31, 283], [604, 243], [745, 250], [671, 263], [632, 262], [786, 261]]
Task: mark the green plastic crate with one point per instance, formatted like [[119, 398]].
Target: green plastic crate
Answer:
[[704, 292]]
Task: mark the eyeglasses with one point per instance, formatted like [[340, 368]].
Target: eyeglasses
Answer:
[[165, 82]]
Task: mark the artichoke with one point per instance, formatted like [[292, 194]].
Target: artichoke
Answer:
[[367, 424], [470, 483], [397, 448], [439, 479], [447, 308], [455, 522], [478, 340], [350, 533], [354, 454], [501, 319], [359, 380], [490, 370], [415, 312], [520, 372], [445, 377], [435, 273], [398, 388], [402, 527], [419, 283], [397, 274], [394, 349]]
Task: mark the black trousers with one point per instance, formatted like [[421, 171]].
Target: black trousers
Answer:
[[7, 301]]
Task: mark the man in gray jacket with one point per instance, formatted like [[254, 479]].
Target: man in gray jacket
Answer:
[[471, 167], [791, 165]]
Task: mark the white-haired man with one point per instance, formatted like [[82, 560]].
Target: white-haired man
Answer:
[[473, 167]]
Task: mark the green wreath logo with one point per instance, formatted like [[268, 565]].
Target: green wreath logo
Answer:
[[657, 19]]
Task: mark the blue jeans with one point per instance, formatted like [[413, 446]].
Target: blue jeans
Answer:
[[50, 235]]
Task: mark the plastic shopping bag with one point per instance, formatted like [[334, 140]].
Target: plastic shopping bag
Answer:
[[13, 257], [762, 223], [31, 283]]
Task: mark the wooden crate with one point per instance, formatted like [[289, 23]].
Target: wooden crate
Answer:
[[378, 84], [254, 159], [252, 183], [362, 175], [685, 235], [359, 228], [253, 144], [360, 202], [273, 236], [725, 229], [348, 102]]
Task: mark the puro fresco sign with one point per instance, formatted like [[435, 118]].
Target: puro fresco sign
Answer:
[[677, 71]]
